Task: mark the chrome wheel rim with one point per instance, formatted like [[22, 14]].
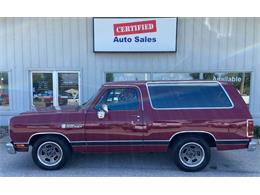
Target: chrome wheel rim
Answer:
[[49, 153], [191, 154]]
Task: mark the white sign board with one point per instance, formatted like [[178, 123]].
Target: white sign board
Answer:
[[135, 34]]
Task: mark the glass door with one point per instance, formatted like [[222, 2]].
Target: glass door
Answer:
[[42, 89], [68, 86]]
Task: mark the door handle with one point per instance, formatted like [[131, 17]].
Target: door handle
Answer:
[[138, 127], [137, 116]]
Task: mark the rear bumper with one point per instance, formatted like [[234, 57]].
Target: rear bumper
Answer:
[[236, 144], [10, 148], [252, 145]]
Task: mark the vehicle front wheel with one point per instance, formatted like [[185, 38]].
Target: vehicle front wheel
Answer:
[[50, 153], [191, 153]]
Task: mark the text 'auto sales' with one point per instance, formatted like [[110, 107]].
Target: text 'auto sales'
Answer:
[[123, 29]]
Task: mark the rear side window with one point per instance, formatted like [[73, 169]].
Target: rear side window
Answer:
[[188, 96]]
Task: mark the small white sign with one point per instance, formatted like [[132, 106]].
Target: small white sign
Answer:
[[135, 34]]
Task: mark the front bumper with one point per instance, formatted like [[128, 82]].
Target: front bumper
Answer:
[[252, 145], [10, 148]]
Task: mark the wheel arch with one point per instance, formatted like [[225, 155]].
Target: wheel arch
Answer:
[[207, 136], [36, 136]]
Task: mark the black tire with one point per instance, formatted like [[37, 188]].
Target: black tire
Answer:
[[195, 147], [60, 150]]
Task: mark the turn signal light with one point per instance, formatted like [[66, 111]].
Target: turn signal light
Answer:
[[250, 128], [20, 146]]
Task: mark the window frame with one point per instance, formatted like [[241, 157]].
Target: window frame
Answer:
[[139, 93], [188, 83], [55, 85]]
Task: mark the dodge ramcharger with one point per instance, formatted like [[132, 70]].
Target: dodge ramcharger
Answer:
[[184, 118]]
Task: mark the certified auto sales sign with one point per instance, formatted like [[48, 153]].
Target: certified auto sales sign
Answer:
[[135, 34]]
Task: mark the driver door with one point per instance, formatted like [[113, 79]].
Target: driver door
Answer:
[[120, 128]]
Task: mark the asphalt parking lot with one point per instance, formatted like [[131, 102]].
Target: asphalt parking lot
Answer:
[[223, 163]]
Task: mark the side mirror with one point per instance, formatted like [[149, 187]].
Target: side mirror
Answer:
[[101, 113], [105, 108]]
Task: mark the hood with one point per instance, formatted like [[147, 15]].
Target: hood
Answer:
[[54, 109]]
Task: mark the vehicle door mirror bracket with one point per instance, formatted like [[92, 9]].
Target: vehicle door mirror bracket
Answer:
[[104, 107]]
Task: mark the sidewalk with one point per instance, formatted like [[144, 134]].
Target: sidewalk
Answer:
[[4, 139], [3, 131], [257, 141], [3, 135]]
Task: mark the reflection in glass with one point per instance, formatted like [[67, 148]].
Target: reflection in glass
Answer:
[[175, 76], [68, 89], [240, 80], [119, 99], [110, 77], [42, 89], [4, 96]]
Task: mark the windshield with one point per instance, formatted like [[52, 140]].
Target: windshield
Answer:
[[89, 101]]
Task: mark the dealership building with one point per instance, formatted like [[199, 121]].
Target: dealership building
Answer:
[[63, 61]]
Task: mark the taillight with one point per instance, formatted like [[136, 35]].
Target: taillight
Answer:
[[250, 128]]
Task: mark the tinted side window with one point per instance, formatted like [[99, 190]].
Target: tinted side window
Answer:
[[120, 99], [188, 96]]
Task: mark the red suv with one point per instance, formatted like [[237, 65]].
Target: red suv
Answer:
[[186, 118]]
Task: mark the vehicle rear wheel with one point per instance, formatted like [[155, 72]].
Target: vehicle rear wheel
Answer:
[[191, 153], [50, 153]]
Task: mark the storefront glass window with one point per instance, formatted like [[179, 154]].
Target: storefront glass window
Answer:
[[4, 95], [42, 89], [55, 89], [175, 76], [110, 77], [240, 80], [68, 89]]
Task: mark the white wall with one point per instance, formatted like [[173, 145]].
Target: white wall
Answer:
[[203, 45]]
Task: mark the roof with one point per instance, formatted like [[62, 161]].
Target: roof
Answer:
[[162, 81]]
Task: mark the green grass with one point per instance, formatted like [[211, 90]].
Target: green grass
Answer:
[[257, 132]]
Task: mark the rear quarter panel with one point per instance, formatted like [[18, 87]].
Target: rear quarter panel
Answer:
[[224, 124]]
